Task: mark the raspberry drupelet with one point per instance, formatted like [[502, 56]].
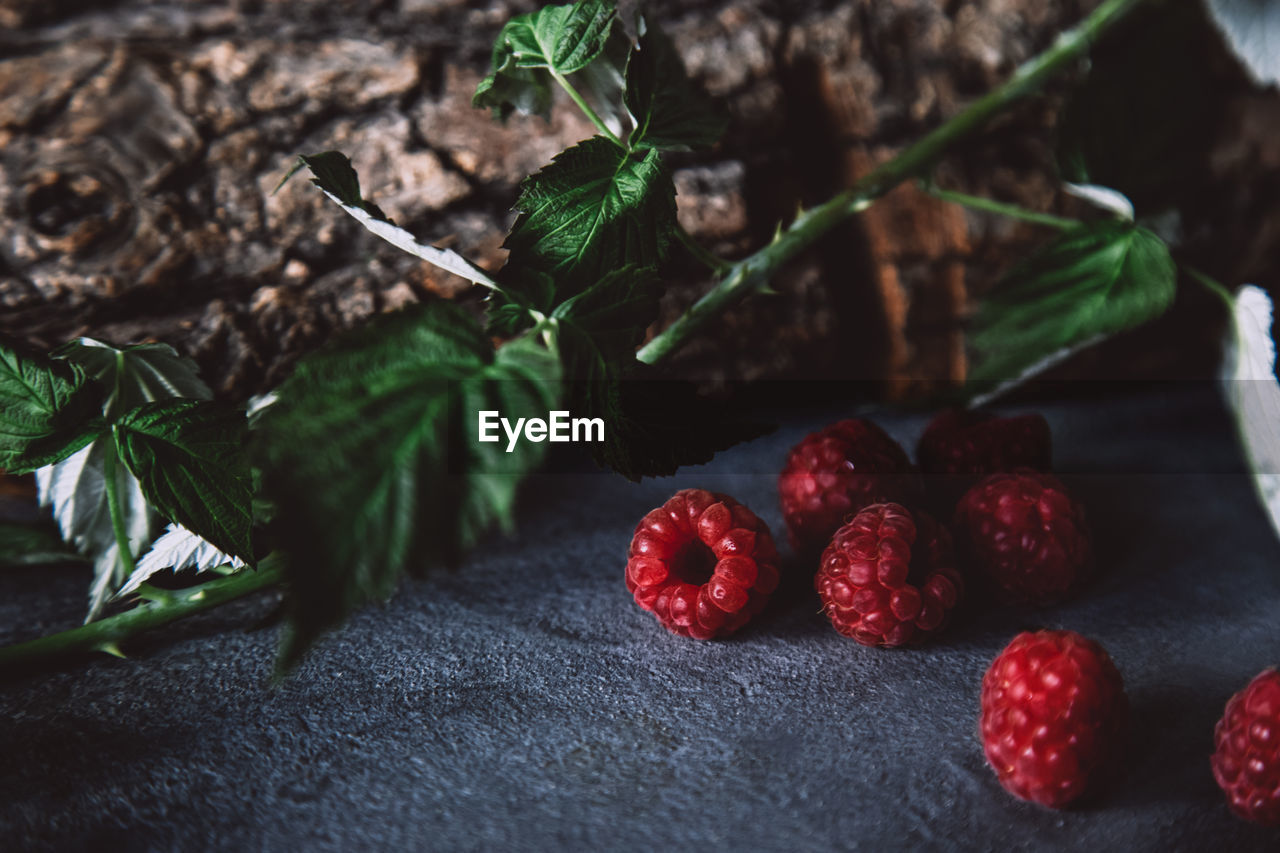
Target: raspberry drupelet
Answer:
[[702, 563], [835, 472], [888, 577]]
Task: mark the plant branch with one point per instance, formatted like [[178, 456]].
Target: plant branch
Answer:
[[124, 548], [588, 111], [160, 607], [1214, 286], [990, 205], [752, 273]]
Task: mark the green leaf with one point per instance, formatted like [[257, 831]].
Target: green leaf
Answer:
[[1094, 280], [667, 109], [370, 455], [594, 209], [615, 311], [332, 172], [555, 40], [47, 412], [334, 175], [134, 375], [188, 456], [28, 545], [76, 488]]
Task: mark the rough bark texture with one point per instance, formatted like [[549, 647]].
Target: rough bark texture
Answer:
[[140, 142]]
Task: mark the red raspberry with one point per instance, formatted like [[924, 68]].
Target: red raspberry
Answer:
[[1247, 761], [1053, 716], [887, 578], [976, 443], [1025, 534], [834, 473], [702, 563]]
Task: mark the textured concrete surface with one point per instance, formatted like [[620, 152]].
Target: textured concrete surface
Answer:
[[526, 703]]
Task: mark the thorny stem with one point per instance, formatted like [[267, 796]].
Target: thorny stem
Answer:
[[160, 608], [752, 274], [992, 206], [749, 275]]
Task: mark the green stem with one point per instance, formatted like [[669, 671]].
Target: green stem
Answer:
[[1214, 286], [124, 548], [753, 273], [715, 264], [999, 207], [161, 608], [588, 112]]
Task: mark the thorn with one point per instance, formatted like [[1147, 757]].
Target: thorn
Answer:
[[113, 650]]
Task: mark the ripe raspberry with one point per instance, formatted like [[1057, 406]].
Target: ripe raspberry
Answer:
[[888, 578], [835, 472], [1026, 535], [1053, 715], [1247, 761], [702, 563], [973, 443]]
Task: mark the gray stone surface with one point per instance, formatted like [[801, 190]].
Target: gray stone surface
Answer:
[[526, 703]]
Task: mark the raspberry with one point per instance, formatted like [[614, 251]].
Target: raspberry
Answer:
[[888, 578], [835, 472], [960, 447], [1053, 715], [702, 563], [1247, 760], [1026, 535], [975, 443]]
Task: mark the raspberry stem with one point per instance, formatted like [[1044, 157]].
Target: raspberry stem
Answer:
[[159, 607], [990, 205], [752, 274]]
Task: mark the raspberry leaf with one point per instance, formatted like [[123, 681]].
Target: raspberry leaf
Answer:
[[370, 456], [134, 375], [668, 111], [594, 209], [48, 411], [76, 488], [333, 174], [1096, 279], [534, 48], [615, 311], [1253, 393], [1252, 29], [654, 425], [188, 456], [176, 550]]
